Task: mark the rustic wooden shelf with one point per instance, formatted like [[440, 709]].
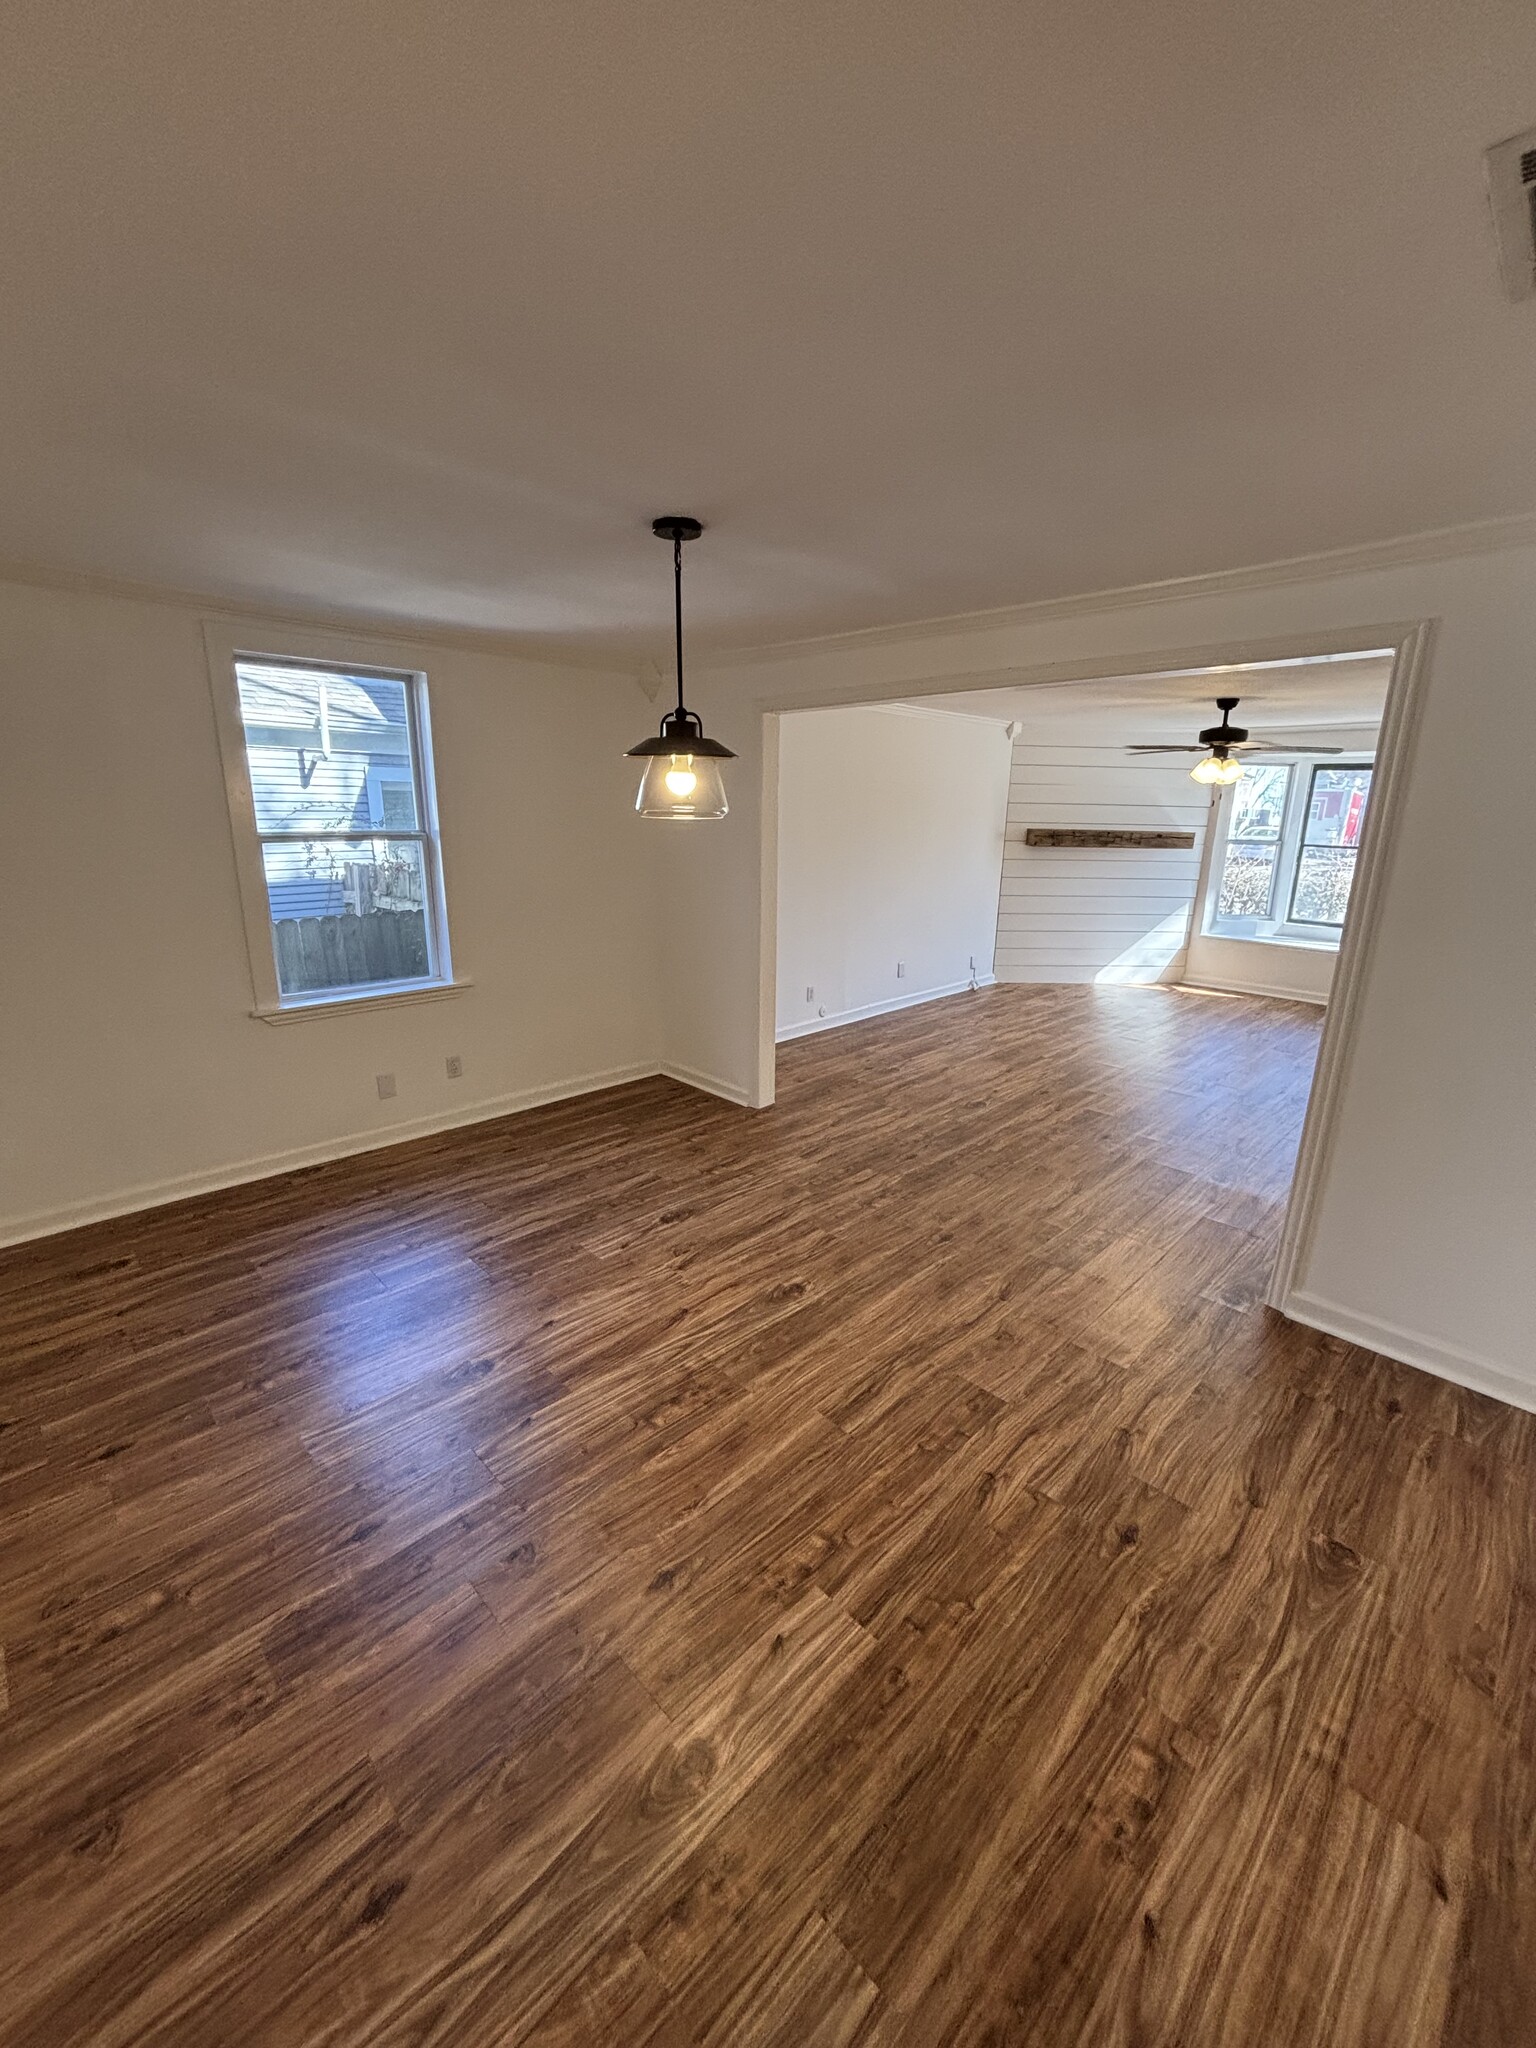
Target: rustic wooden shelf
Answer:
[[1049, 835]]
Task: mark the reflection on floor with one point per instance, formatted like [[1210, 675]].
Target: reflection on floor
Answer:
[[642, 1572]]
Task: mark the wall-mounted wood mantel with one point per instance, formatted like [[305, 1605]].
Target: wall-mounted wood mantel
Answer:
[[1049, 835]]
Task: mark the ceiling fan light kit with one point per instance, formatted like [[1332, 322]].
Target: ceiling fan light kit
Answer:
[[1221, 744], [1220, 769], [682, 776]]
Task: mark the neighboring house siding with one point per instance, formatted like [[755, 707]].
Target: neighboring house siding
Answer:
[[353, 775], [346, 793], [1097, 913]]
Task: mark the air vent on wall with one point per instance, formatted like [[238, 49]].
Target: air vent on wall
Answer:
[[1512, 193]]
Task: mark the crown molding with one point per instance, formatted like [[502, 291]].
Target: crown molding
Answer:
[[1439, 544], [314, 619], [1442, 543], [904, 710]]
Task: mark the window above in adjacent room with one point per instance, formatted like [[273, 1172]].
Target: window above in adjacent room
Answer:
[[329, 773]]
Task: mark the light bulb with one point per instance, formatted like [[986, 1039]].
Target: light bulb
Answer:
[[680, 778], [1218, 770]]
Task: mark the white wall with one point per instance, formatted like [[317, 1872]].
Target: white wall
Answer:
[[1097, 913], [1258, 967], [130, 1068], [1255, 967], [1427, 1212], [890, 843], [128, 1062]]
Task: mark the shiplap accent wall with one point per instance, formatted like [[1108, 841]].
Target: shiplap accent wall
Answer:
[[1073, 914]]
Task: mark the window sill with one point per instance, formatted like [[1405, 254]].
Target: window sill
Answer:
[[1274, 939], [363, 999]]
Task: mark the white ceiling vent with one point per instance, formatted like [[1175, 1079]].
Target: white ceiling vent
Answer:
[[1512, 191]]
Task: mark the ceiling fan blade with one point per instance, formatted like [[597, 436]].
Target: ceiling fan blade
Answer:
[[1281, 747], [1167, 750]]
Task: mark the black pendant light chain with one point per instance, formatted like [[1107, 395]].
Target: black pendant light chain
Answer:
[[677, 528], [677, 612]]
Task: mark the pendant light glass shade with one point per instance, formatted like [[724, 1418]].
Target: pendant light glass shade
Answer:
[[682, 771], [682, 776], [681, 786], [1218, 768]]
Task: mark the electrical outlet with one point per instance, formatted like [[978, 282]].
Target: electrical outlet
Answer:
[[386, 1086], [901, 970], [810, 993], [454, 1066]]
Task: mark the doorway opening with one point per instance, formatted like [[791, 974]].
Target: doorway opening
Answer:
[[1109, 866]]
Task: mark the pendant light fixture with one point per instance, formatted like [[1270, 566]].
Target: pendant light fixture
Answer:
[[682, 767]]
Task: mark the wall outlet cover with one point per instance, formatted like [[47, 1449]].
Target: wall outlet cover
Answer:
[[385, 1083], [454, 1066]]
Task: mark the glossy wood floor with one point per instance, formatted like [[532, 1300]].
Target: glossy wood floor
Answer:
[[647, 1573]]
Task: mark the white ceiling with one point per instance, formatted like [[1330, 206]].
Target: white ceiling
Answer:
[[1274, 700], [421, 310]]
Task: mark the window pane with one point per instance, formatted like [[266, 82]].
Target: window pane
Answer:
[[345, 913], [327, 752], [1323, 878], [1258, 803], [1247, 879], [1337, 808]]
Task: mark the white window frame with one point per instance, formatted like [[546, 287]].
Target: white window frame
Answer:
[[1283, 930], [226, 645]]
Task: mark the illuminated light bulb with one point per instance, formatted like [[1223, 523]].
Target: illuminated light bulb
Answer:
[[1218, 769], [680, 778]]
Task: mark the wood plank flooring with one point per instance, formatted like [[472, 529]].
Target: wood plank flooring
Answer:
[[870, 1573]]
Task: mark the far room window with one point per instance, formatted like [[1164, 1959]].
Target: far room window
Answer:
[[1288, 838], [1253, 843], [1330, 842], [340, 849]]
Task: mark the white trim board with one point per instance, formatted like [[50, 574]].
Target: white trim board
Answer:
[[183, 1187], [539, 651], [706, 1084], [881, 1009], [1255, 988], [1408, 1347], [1394, 753], [1437, 544]]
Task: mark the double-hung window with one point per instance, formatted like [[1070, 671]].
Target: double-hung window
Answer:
[[329, 772], [1329, 845], [1287, 840]]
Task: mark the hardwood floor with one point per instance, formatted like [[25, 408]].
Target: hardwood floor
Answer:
[[645, 1573]]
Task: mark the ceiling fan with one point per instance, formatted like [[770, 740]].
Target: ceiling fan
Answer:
[[1221, 744]]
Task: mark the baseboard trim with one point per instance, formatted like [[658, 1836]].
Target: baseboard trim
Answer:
[[1408, 1347], [156, 1194], [927, 995], [707, 1084], [1068, 974], [1254, 988]]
